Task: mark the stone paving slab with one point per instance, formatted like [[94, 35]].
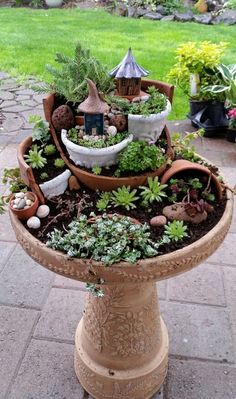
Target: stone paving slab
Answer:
[[47, 372], [199, 331], [229, 275], [226, 253], [8, 157], [23, 282], [6, 249], [203, 284], [187, 379], [15, 329], [61, 314], [6, 231]]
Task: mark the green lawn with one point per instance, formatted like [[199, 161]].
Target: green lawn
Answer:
[[30, 38]]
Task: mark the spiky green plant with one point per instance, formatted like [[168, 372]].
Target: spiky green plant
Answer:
[[154, 192], [35, 158], [124, 197]]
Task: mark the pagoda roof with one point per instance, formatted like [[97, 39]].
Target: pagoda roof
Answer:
[[128, 68]]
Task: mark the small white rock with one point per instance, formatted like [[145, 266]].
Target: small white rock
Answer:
[[33, 222], [28, 202], [112, 130], [16, 201], [19, 195], [27, 207], [21, 203], [14, 207], [43, 211]]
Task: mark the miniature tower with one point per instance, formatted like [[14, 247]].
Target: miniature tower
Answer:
[[93, 108], [128, 74]]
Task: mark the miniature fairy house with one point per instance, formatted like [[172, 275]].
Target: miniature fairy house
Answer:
[[128, 74], [93, 108]]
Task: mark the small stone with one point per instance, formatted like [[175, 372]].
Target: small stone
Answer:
[[21, 204], [15, 207], [16, 201], [28, 202], [112, 130], [27, 207], [158, 221], [19, 195], [120, 122], [43, 211], [178, 212], [33, 222], [110, 115], [73, 183]]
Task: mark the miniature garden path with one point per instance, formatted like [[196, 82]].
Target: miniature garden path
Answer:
[[39, 311]]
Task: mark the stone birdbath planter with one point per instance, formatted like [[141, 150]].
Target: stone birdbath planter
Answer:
[[121, 343], [119, 233]]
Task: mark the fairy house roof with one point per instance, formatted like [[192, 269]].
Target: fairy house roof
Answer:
[[128, 68], [93, 103]]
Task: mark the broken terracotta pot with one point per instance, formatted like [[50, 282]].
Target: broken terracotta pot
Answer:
[[180, 166]]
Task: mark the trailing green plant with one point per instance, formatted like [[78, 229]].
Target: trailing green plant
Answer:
[[70, 80], [97, 170], [35, 158], [16, 184], [50, 149], [103, 202], [227, 85], [40, 130], [124, 197], [139, 156], [183, 147], [94, 290], [231, 4], [176, 230], [44, 176], [59, 163], [108, 239], [200, 60], [155, 191]]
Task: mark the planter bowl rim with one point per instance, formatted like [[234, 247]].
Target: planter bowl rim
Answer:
[[159, 115], [94, 151], [149, 269]]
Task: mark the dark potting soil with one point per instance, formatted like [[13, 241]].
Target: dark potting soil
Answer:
[[64, 208], [50, 169]]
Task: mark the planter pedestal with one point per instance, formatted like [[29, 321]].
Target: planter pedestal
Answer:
[[121, 343]]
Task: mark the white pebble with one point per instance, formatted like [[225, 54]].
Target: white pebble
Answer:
[[21, 203], [16, 201], [28, 202], [19, 195], [33, 222], [27, 207], [43, 211], [112, 130], [14, 207]]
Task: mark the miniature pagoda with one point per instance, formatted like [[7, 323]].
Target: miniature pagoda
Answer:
[[93, 108], [128, 74]]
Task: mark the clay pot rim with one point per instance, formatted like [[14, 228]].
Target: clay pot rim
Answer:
[[157, 268]]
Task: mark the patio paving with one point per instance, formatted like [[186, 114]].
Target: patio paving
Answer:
[[39, 311]]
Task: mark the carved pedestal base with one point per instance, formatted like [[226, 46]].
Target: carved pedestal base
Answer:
[[121, 344]]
